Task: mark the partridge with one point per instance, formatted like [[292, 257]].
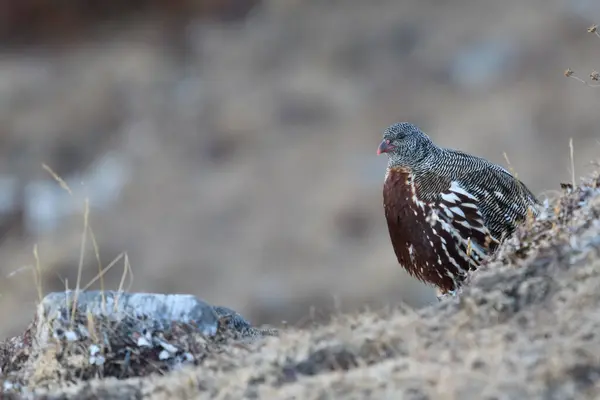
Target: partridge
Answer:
[[446, 210]]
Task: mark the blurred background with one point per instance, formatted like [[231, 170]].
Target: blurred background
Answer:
[[228, 146]]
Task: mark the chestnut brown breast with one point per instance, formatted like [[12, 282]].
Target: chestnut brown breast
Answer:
[[436, 241]]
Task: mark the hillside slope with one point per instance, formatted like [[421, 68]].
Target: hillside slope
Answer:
[[527, 326]]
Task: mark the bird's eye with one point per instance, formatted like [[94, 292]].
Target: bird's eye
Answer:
[[388, 141]]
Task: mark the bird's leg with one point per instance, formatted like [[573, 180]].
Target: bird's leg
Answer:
[[442, 294]]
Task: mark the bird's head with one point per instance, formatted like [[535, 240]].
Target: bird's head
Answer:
[[405, 144]]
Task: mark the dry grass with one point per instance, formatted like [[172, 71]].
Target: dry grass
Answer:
[[594, 75], [102, 270], [525, 327]]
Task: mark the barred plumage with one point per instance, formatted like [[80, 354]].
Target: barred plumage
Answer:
[[446, 210]]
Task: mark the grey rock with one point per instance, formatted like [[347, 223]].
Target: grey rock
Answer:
[[151, 308]]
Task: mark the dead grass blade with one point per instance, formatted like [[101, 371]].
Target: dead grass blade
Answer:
[[58, 179], [86, 214]]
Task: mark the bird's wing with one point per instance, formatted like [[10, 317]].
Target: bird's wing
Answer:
[[504, 201], [459, 215], [477, 208], [486, 205]]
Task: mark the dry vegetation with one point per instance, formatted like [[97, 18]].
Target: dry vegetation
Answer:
[[594, 75], [525, 327]]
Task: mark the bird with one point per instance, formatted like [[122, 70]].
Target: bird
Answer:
[[446, 210]]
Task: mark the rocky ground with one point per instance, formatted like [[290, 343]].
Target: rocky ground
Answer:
[[526, 326]]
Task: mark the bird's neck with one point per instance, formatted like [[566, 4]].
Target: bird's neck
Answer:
[[419, 159]]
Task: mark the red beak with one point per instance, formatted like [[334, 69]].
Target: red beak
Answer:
[[384, 147]]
